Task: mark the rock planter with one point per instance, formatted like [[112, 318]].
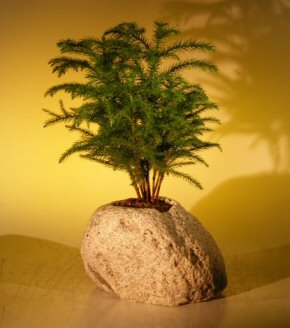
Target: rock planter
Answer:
[[144, 255]]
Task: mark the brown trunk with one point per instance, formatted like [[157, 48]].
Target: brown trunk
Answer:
[[155, 188], [153, 185], [135, 186], [148, 188], [145, 191], [158, 186], [142, 187], [137, 192]]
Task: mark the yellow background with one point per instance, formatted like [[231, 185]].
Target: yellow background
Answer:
[[245, 201]]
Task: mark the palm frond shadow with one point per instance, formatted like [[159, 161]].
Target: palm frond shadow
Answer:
[[254, 60]]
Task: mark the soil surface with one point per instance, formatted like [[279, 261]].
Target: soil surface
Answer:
[[160, 205]]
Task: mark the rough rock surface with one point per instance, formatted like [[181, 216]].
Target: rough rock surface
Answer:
[[144, 255]]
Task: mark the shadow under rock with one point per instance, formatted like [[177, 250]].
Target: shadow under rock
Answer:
[[248, 213], [46, 265], [249, 218], [249, 271], [105, 311]]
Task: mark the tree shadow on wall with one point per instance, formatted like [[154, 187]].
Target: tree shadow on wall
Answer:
[[247, 214], [253, 55], [250, 213]]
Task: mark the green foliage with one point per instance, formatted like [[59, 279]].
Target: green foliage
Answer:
[[140, 117]]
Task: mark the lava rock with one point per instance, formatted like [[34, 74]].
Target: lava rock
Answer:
[[144, 255]]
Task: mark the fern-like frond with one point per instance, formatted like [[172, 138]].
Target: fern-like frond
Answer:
[[200, 64], [181, 163], [162, 32], [201, 130], [57, 118], [61, 65], [186, 155], [97, 160], [129, 30], [76, 147], [185, 177], [90, 112], [74, 89], [186, 46], [195, 158], [211, 119], [61, 105], [87, 46], [85, 132], [205, 145], [201, 109]]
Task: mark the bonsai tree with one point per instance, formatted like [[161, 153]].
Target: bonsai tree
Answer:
[[139, 114]]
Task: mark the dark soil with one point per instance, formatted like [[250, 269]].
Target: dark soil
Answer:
[[161, 205]]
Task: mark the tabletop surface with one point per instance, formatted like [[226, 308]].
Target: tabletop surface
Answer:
[[43, 284]]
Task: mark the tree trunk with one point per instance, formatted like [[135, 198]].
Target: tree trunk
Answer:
[[145, 191]]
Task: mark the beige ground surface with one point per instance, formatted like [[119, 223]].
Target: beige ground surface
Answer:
[[43, 285]]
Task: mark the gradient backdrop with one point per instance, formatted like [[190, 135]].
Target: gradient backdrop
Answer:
[[245, 202]]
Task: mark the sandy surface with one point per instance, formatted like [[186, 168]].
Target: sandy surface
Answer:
[[43, 285]]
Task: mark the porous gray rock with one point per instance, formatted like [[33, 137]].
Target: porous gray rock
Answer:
[[144, 255]]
